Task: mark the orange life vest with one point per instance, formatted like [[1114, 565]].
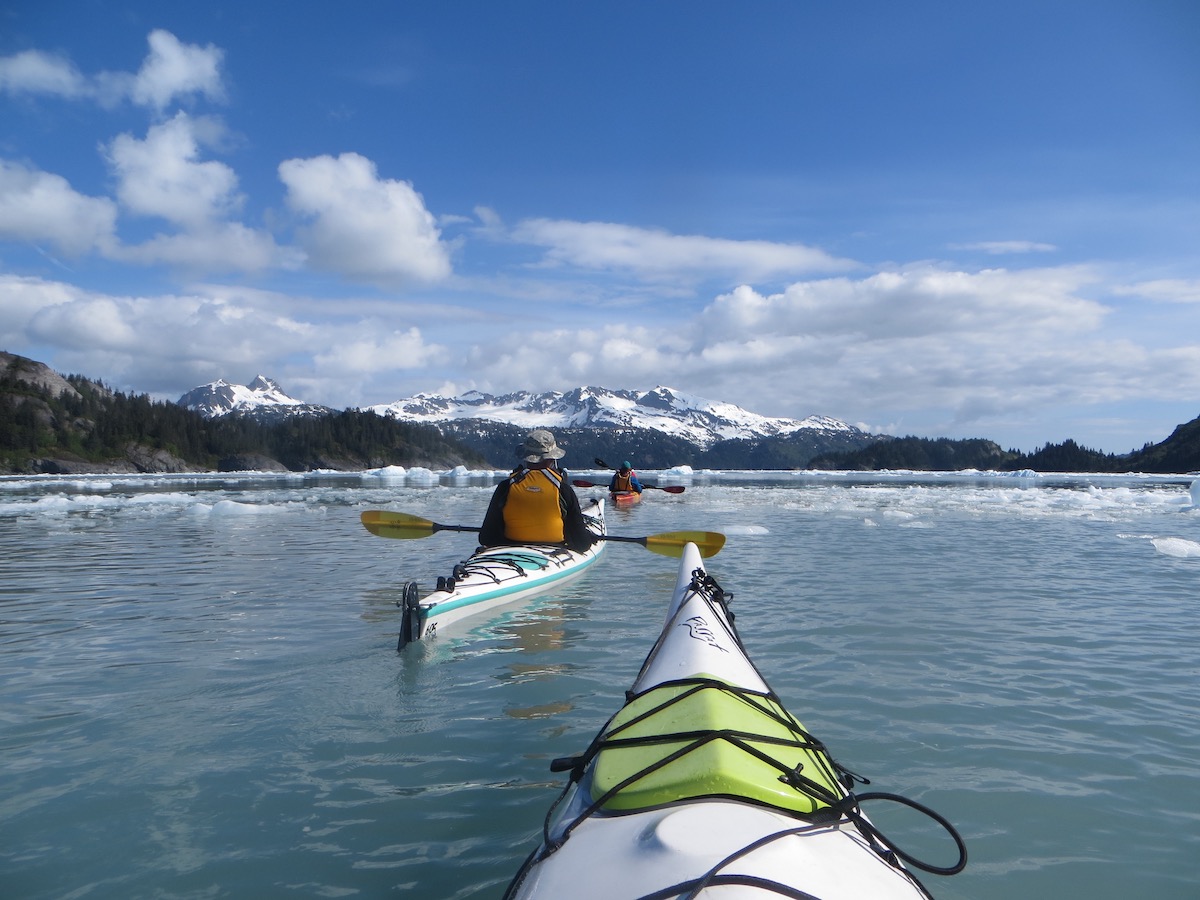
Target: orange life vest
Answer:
[[532, 511], [622, 482]]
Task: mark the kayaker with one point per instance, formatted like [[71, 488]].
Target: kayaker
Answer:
[[536, 504], [625, 480]]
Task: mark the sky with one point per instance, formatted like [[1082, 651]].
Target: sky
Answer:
[[942, 219]]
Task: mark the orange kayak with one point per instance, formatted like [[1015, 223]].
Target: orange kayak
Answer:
[[625, 499]]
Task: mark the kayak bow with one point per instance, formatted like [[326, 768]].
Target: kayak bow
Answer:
[[703, 780]]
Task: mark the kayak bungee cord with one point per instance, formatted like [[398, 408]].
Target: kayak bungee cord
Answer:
[[823, 796], [519, 564]]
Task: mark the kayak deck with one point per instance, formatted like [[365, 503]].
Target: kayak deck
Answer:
[[704, 780], [700, 738]]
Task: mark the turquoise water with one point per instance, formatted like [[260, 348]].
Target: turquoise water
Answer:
[[201, 695]]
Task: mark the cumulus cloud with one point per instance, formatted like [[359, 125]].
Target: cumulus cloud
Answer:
[[171, 71], [913, 337], [38, 206], [89, 324], [159, 176], [919, 301], [962, 343], [617, 355], [174, 69], [35, 72], [163, 175], [21, 298], [360, 225], [402, 349], [169, 343], [660, 254], [978, 344]]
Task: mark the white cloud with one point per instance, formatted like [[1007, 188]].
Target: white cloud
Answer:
[[163, 175], [222, 247], [22, 298], [1000, 248], [175, 69], [660, 254], [969, 345], [167, 344], [171, 71], [915, 302], [38, 206], [359, 225], [1164, 290], [91, 324], [35, 72], [373, 353]]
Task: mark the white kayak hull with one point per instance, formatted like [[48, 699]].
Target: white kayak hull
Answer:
[[494, 577], [684, 825]]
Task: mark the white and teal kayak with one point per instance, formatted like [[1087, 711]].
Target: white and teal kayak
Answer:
[[704, 785], [489, 578]]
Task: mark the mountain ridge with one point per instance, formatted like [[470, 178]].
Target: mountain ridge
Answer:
[[262, 398], [662, 427], [51, 423], [696, 419]]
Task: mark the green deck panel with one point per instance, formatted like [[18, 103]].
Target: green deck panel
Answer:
[[717, 767]]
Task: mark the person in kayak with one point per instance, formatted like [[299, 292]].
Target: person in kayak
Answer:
[[536, 504], [625, 480]]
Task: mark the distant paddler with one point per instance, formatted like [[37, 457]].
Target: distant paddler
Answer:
[[625, 480]]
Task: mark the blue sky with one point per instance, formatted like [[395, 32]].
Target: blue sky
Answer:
[[959, 219]]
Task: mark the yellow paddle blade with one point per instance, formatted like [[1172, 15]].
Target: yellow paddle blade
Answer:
[[671, 543], [383, 523]]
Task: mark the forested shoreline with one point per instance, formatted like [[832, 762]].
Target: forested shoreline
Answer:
[[73, 424], [93, 428]]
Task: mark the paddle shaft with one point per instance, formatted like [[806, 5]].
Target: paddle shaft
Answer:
[[670, 489], [405, 526]]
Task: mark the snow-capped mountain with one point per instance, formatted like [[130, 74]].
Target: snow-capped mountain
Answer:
[[261, 398], [661, 427], [694, 419]]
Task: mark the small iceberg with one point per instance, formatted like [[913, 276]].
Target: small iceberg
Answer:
[[680, 471], [387, 473], [1176, 547]]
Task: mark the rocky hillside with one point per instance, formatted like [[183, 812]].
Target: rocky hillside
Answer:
[[55, 424]]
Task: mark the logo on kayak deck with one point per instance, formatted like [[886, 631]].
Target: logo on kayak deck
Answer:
[[700, 631]]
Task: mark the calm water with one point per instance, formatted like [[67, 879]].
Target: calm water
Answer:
[[200, 695]]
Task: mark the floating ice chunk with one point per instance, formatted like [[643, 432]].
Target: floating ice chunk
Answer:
[[388, 472], [746, 529], [1195, 492], [1177, 547]]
